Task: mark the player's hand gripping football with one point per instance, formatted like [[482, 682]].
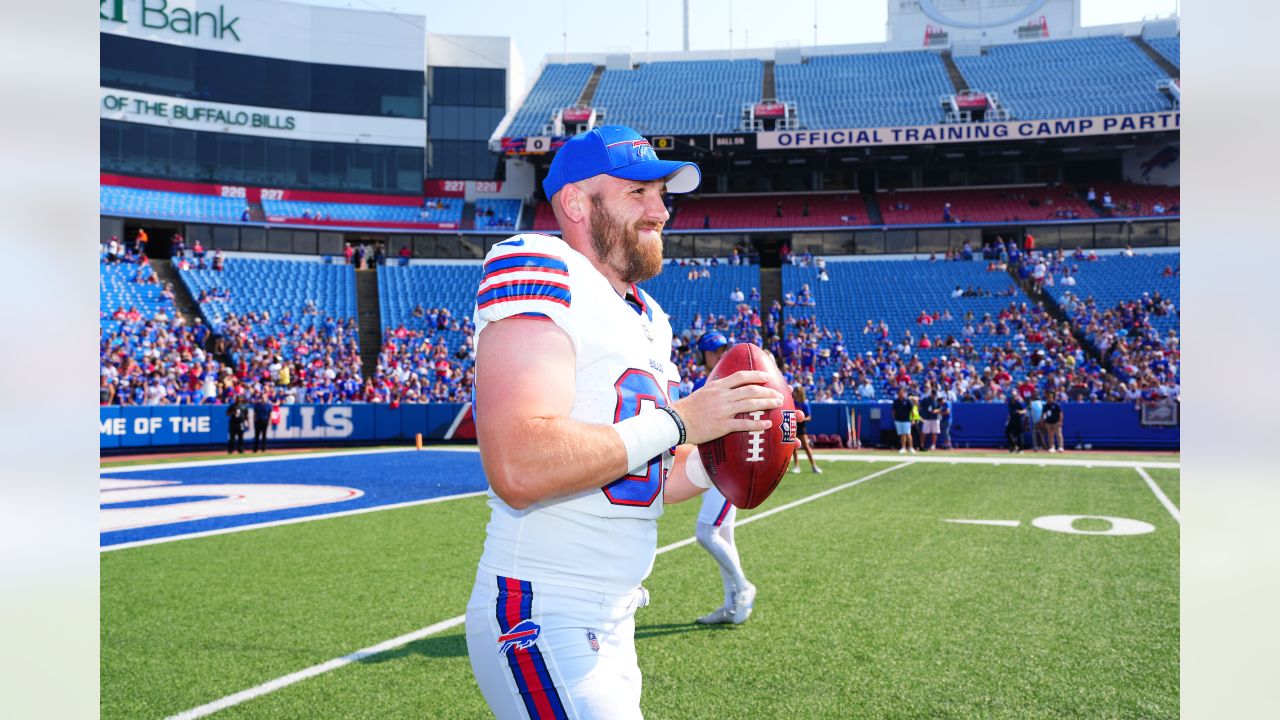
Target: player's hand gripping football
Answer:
[[708, 412]]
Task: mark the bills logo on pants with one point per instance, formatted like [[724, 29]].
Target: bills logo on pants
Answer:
[[518, 641], [522, 636]]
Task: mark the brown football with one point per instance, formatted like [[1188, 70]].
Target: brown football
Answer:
[[746, 466]]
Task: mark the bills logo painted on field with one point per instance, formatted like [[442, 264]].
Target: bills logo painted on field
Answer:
[[788, 426], [593, 641], [521, 636]]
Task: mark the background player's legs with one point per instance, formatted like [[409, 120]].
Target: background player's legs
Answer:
[[725, 554]]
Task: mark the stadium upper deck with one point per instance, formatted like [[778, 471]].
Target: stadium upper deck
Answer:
[[1032, 80]]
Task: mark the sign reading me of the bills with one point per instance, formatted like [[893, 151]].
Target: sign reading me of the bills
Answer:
[[970, 132]]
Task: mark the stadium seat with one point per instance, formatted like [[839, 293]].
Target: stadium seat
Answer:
[[1068, 78], [133, 202], [866, 90]]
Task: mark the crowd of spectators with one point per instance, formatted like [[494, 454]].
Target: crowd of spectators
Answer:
[[1021, 349], [152, 356], [293, 361], [1144, 362], [157, 358], [1140, 363], [419, 365]]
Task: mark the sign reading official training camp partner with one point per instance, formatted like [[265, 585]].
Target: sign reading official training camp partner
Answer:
[[970, 132]]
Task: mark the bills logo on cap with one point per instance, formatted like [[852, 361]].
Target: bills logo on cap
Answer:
[[788, 426], [643, 150], [521, 636]]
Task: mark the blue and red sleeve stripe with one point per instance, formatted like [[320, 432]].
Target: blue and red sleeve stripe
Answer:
[[524, 290], [525, 262]]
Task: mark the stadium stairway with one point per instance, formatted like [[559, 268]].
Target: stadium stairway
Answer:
[[256, 213], [873, 209], [184, 302], [1028, 288], [953, 72], [589, 90], [1156, 57], [768, 87], [369, 320], [770, 288]]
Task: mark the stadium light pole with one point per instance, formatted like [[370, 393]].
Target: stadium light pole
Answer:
[[731, 30], [686, 25], [815, 23]]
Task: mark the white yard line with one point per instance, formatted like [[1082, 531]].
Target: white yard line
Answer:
[[1164, 499], [393, 643], [1024, 459], [997, 523]]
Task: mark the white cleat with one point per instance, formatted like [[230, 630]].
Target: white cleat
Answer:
[[743, 601], [796, 469], [817, 469], [902, 451], [719, 615], [913, 450]]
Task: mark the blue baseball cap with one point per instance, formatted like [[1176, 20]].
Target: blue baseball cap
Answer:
[[618, 151], [712, 341]]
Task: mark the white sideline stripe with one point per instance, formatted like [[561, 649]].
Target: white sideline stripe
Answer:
[[249, 460], [1040, 461], [314, 670], [1164, 499], [393, 643], [289, 521], [998, 523]]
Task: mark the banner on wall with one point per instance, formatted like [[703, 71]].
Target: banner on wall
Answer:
[[1101, 425], [970, 132]]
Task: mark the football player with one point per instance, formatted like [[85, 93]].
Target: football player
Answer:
[[714, 528], [576, 434]]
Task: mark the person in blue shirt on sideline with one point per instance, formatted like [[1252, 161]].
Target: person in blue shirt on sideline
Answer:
[[802, 433], [1036, 407]]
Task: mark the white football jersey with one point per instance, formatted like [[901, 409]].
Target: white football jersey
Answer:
[[601, 539]]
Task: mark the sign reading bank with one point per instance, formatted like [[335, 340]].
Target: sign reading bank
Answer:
[[169, 16]]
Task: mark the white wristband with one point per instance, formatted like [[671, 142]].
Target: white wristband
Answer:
[[694, 470], [645, 437]]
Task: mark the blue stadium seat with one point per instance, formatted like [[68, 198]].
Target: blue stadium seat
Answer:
[[1169, 47], [700, 97], [505, 213], [557, 87], [1068, 78], [433, 210], [115, 200], [869, 90]]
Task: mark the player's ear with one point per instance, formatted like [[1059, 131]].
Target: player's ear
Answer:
[[573, 202]]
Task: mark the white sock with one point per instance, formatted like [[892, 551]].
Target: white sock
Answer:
[[719, 543]]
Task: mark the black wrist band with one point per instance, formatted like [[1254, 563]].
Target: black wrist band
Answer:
[[679, 423]]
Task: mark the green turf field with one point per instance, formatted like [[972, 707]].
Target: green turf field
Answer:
[[869, 606]]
